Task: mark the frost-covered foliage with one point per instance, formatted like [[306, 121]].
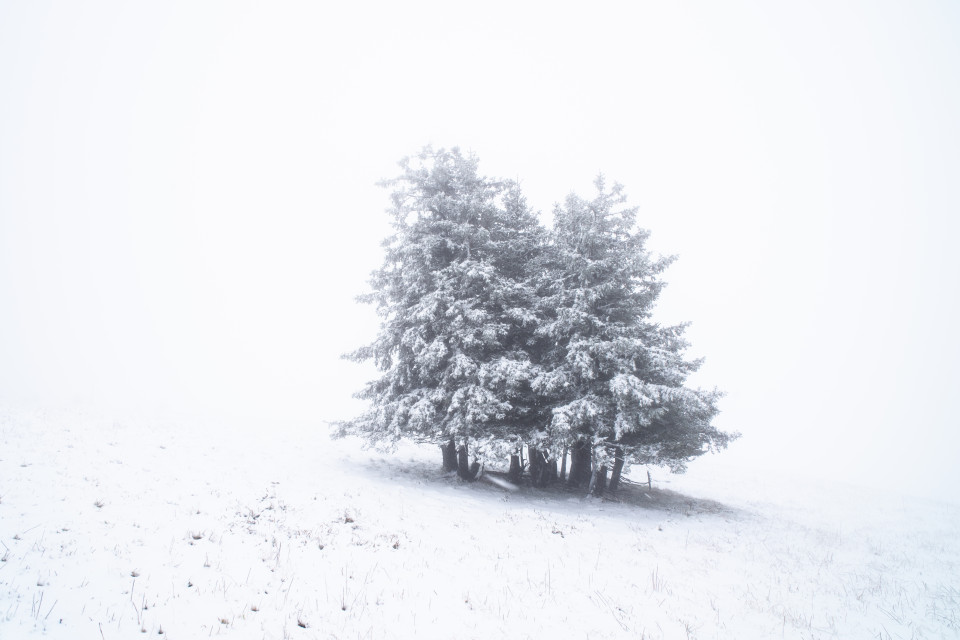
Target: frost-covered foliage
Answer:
[[498, 333], [614, 376], [458, 312]]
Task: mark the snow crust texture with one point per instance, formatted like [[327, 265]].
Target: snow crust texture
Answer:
[[120, 528]]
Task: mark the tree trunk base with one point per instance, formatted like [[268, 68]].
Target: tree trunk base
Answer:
[[536, 466], [449, 451], [550, 472], [465, 470], [515, 469], [599, 481], [617, 470], [581, 466]]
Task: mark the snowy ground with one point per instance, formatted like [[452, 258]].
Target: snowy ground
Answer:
[[112, 527]]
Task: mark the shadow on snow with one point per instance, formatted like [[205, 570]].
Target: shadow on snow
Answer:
[[494, 485]]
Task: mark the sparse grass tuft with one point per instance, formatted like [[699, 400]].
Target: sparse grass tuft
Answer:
[[657, 581]]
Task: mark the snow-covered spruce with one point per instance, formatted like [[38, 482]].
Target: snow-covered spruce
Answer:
[[498, 334], [614, 378], [457, 311]]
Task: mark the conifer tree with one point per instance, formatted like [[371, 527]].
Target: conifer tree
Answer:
[[496, 333], [457, 312], [614, 378]]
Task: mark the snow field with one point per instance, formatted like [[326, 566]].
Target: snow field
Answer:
[[124, 528]]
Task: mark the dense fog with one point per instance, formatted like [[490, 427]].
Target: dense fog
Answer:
[[188, 203]]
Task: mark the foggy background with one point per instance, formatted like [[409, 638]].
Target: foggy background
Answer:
[[187, 199]]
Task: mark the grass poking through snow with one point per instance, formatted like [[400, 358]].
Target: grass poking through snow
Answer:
[[277, 534]]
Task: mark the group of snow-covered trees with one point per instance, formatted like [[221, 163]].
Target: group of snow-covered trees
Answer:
[[499, 336]]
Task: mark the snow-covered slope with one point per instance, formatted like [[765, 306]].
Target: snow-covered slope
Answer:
[[112, 527]]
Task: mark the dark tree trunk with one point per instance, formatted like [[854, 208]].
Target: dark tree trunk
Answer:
[[576, 462], [574, 465], [600, 481], [586, 451], [617, 469], [536, 466], [550, 472], [449, 451], [563, 465], [586, 466], [580, 464], [465, 470], [515, 469]]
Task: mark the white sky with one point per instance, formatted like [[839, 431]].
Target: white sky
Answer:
[[187, 204]]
